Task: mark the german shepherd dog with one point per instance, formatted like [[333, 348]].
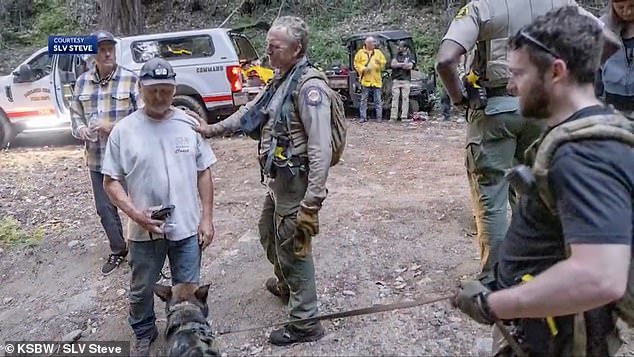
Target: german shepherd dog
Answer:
[[187, 332]]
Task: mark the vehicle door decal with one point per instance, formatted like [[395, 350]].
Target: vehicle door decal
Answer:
[[27, 112]]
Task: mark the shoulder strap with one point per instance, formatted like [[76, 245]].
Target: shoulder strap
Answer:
[[309, 73], [596, 127], [369, 58]]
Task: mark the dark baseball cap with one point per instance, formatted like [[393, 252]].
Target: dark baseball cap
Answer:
[[103, 36], [157, 71]]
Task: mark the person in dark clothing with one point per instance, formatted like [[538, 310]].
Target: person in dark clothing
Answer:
[[402, 65], [616, 75], [445, 102], [570, 260]]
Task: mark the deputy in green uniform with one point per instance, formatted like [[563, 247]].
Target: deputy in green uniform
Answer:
[[497, 135], [295, 156]]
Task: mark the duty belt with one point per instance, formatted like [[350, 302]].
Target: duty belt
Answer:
[[498, 92], [295, 164]]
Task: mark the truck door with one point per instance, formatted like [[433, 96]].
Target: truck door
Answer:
[[30, 101], [66, 70]]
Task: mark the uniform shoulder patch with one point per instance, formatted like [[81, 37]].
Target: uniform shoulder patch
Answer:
[[313, 95], [464, 11]]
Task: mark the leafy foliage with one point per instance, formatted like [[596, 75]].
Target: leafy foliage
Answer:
[[12, 233], [30, 22]]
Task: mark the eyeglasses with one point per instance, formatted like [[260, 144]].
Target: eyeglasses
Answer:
[[541, 46]]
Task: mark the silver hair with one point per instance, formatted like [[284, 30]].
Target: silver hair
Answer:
[[296, 30], [370, 39]]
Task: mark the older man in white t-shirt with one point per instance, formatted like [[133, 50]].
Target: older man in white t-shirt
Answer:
[[163, 163]]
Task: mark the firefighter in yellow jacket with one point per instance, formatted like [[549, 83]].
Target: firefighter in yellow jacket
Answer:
[[369, 62]]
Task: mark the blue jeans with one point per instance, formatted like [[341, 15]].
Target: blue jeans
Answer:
[[109, 215], [146, 260], [376, 96]]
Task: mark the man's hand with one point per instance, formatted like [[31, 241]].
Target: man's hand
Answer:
[[206, 233], [203, 128], [104, 127], [151, 225], [194, 115], [308, 220], [85, 134], [471, 299], [463, 104]]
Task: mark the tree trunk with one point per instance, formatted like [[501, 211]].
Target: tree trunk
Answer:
[[121, 17]]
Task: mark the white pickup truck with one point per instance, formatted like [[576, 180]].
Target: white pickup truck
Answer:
[[36, 96]]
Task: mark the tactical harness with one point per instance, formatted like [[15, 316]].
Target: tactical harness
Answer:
[[281, 149], [185, 318], [597, 127]]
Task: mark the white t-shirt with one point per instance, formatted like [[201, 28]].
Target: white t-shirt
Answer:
[[159, 161]]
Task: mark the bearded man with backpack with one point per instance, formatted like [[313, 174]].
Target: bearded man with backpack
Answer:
[[299, 123], [563, 272]]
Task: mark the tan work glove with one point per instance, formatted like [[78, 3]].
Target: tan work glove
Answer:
[[302, 244], [307, 227], [308, 219]]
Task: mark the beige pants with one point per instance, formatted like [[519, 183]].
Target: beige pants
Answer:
[[400, 88]]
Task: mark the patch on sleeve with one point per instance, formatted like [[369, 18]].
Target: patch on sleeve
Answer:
[[313, 95], [464, 11]]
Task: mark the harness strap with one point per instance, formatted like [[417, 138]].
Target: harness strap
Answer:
[[197, 314], [282, 122]]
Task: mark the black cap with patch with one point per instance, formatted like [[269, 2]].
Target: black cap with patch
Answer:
[[157, 71], [103, 36]]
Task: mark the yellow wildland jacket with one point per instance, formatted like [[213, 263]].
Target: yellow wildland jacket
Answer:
[[375, 61]]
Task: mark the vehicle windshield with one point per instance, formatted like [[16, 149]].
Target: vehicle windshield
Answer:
[[244, 48]]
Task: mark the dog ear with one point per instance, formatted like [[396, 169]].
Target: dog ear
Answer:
[[163, 292], [202, 292]]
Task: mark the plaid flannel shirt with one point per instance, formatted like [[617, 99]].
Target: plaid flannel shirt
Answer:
[[93, 102]]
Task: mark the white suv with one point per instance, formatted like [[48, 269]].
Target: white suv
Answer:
[[35, 98]]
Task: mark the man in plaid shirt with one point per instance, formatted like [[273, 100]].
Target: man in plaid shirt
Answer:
[[103, 95]]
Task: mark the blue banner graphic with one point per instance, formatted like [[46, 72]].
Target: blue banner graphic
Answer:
[[73, 45]]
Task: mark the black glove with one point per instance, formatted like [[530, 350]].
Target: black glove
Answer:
[[471, 299]]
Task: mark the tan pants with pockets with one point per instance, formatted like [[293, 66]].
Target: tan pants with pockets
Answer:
[[400, 88]]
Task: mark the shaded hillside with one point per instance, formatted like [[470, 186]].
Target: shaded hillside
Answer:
[[25, 24], [329, 21]]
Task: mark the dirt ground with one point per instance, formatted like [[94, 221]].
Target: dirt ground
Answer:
[[396, 225]]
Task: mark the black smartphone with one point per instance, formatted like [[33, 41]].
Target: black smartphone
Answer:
[[163, 213]]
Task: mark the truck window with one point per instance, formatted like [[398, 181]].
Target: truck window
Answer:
[[70, 67], [244, 48], [173, 48], [41, 66]]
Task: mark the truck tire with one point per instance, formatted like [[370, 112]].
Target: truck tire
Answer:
[[191, 103], [6, 132], [414, 107]]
